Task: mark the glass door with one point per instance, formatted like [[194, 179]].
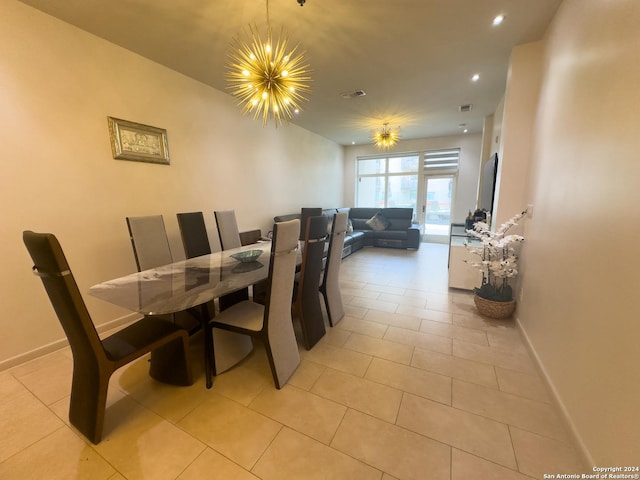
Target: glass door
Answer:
[[437, 207]]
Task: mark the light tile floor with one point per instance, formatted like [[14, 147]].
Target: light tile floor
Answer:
[[411, 384]]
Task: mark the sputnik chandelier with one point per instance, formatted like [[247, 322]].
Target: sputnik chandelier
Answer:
[[386, 137], [268, 78]]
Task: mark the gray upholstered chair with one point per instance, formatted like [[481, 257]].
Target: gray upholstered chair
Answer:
[[149, 241], [227, 229], [95, 360], [272, 322], [151, 250], [330, 287], [229, 238], [306, 301]]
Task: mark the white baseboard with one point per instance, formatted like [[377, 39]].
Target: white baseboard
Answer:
[[582, 449], [62, 343]]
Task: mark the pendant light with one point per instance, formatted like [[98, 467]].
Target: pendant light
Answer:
[[268, 77]]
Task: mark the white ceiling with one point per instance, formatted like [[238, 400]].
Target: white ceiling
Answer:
[[414, 59]]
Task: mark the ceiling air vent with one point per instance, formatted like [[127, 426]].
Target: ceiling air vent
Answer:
[[465, 108], [354, 94]]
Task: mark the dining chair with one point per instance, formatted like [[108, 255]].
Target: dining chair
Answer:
[[272, 322], [196, 243], [95, 360], [230, 237], [330, 287], [149, 241], [151, 250], [306, 305], [305, 213], [193, 231], [227, 229], [250, 236]]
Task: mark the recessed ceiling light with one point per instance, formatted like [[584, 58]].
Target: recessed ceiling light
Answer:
[[498, 20], [475, 77], [465, 130]]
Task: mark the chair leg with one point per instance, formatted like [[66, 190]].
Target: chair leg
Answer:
[[171, 363], [88, 401], [333, 304], [272, 364], [282, 353], [209, 354]]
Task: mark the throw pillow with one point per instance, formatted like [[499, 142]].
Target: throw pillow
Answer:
[[350, 227], [378, 222]]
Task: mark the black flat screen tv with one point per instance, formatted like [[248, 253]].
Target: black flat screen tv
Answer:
[[489, 173]]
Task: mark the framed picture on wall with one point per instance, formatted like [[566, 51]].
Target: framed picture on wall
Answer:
[[138, 142]]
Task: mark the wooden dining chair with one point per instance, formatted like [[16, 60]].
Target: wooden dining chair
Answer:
[[330, 287], [306, 305], [151, 250], [95, 360], [196, 243], [250, 236], [193, 231], [272, 322], [305, 213]]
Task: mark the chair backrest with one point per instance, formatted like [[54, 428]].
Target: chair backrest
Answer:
[[336, 244], [277, 316], [51, 266], [194, 234], [305, 213], [331, 279], [307, 301], [228, 229], [250, 236], [149, 240]]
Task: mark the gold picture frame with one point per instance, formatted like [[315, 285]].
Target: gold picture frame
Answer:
[[138, 142]]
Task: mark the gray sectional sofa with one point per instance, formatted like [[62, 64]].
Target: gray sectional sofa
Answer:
[[398, 230]]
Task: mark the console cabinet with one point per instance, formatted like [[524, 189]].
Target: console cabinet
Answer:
[[461, 274]]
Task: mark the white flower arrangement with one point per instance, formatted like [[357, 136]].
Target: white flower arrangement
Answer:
[[498, 258]]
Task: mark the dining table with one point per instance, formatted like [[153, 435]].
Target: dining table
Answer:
[[191, 285]]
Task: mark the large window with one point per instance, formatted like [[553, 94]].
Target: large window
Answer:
[[388, 181]]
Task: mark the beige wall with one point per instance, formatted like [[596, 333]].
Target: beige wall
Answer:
[[580, 274], [58, 85], [466, 194], [518, 118]]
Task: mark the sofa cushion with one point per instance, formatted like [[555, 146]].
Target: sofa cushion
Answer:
[[360, 224], [392, 234], [357, 237], [398, 223], [286, 218], [378, 222], [363, 212]]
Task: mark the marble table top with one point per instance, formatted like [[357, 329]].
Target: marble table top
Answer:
[[185, 284]]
